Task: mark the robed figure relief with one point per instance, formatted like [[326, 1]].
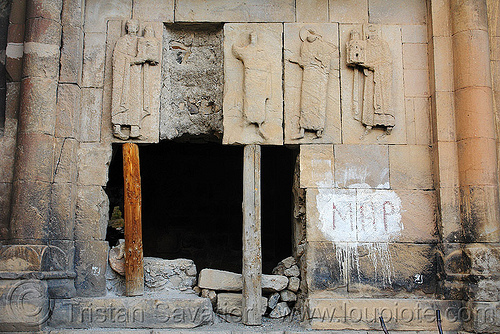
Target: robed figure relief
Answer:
[[256, 81], [132, 83], [315, 60], [372, 86]]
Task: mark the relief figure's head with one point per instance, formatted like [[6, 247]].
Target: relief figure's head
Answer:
[[149, 31], [132, 27], [253, 38]]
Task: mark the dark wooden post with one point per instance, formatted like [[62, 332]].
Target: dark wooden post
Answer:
[[252, 254], [134, 271]]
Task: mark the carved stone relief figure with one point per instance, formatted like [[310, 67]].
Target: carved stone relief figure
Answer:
[[256, 81], [132, 94], [253, 93], [372, 87], [315, 60]]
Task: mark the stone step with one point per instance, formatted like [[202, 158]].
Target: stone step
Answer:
[[150, 311]]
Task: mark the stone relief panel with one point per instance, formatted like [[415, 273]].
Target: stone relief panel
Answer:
[[372, 85], [253, 98], [192, 81], [132, 84], [312, 84], [372, 79]]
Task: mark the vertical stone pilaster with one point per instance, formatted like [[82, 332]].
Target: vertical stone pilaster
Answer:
[[477, 164], [477, 154], [34, 167], [252, 251]]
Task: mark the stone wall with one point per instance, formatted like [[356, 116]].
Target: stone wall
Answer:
[[399, 207]]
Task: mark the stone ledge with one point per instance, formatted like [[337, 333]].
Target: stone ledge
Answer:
[[178, 311]]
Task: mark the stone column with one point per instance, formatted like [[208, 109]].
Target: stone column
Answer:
[[477, 160], [475, 122], [252, 252], [35, 160]]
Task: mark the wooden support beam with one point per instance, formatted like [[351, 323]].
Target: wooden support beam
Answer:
[[252, 253], [134, 271]]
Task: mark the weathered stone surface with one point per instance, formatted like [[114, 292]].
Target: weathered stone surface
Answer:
[[312, 86], [273, 300], [29, 216], [38, 103], [362, 166], [17, 300], [311, 10], [227, 281], [147, 130], [71, 54], [93, 163], [289, 262], [192, 77], [92, 209], [19, 258], [349, 11], [68, 111], [90, 116], [316, 166], [164, 275], [211, 295], [419, 86], [397, 12], [43, 33], [62, 219], [46, 9], [41, 60], [281, 310], [369, 55], [253, 104], [235, 11], [293, 271], [288, 296], [8, 149], [153, 10], [65, 160], [485, 259], [93, 59], [5, 191], [418, 121], [421, 311], [353, 130], [97, 13], [231, 303], [116, 258], [293, 284], [414, 33], [35, 149], [410, 167], [419, 216], [132, 312], [90, 266]]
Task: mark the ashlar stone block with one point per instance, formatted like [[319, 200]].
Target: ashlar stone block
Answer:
[[397, 12], [316, 166], [312, 83], [153, 10], [411, 167], [235, 11], [253, 99], [362, 166]]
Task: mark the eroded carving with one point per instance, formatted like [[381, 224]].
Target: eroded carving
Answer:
[[372, 86], [253, 89], [315, 61], [133, 91], [257, 80]]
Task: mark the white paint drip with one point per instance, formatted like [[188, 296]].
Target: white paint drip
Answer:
[[356, 218]]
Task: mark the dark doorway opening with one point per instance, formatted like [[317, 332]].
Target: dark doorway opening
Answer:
[[192, 197]]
